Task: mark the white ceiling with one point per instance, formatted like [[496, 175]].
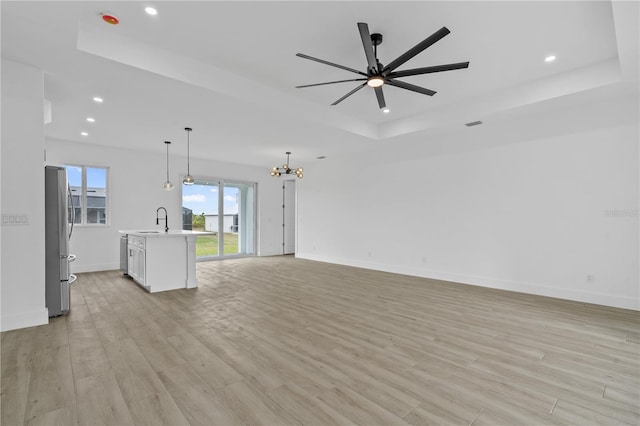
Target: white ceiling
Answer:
[[228, 69]]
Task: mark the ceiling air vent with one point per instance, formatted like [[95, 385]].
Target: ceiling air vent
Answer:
[[473, 123]]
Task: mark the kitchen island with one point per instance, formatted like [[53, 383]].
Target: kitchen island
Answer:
[[160, 261]]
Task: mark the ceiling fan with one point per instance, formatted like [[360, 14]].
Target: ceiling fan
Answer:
[[378, 75]]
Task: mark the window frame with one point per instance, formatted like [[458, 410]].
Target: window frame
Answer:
[[83, 194]]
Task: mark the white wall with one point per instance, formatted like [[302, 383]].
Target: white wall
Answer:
[[135, 192], [22, 288], [536, 216]]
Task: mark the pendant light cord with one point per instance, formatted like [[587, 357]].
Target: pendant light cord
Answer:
[[167, 143], [188, 153]]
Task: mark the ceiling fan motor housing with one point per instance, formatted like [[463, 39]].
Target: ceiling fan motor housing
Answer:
[[376, 39]]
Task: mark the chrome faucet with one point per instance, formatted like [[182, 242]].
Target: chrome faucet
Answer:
[[166, 218]]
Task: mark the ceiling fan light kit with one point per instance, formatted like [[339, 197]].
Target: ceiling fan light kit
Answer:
[[375, 81], [378, 75]]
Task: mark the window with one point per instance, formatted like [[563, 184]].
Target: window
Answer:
[[90, 196]]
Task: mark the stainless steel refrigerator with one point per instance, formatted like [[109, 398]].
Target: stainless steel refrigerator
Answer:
[[58, 230]]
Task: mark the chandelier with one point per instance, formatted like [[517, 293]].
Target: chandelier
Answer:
[[286, 169]]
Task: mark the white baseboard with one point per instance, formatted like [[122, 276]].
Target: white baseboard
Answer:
[[263, 253], [24, 320], [612, 300], [99, 267]]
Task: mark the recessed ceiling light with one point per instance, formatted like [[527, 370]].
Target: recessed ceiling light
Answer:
[[550, 58], [91, 119], [84, 133], [151, 11], [386, 110], [98, 99]]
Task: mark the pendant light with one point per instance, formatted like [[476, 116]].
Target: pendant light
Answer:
[[287, 169], [188, 179], [168, 185]]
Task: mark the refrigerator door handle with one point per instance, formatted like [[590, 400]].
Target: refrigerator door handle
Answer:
[[73, 210]]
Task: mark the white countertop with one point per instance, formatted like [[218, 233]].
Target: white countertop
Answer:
[[154, 233]]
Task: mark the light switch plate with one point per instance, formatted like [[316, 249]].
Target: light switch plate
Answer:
[[15, 219]]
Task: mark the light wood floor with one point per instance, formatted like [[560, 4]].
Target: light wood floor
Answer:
[[280, 340]]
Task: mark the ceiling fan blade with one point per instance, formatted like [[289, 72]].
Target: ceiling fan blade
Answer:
[[368, 47], [349, 94], [428, 70], [411, 87], [330, 82], [302, 55], [433, 38], [380, 97]]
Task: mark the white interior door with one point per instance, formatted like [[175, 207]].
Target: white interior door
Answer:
[[288, 216]]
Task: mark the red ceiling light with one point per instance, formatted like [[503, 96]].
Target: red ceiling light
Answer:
[[110, 19]]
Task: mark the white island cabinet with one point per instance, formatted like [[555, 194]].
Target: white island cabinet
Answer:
[[161, 261]]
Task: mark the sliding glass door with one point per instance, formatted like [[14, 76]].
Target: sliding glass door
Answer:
[[227, 210]]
